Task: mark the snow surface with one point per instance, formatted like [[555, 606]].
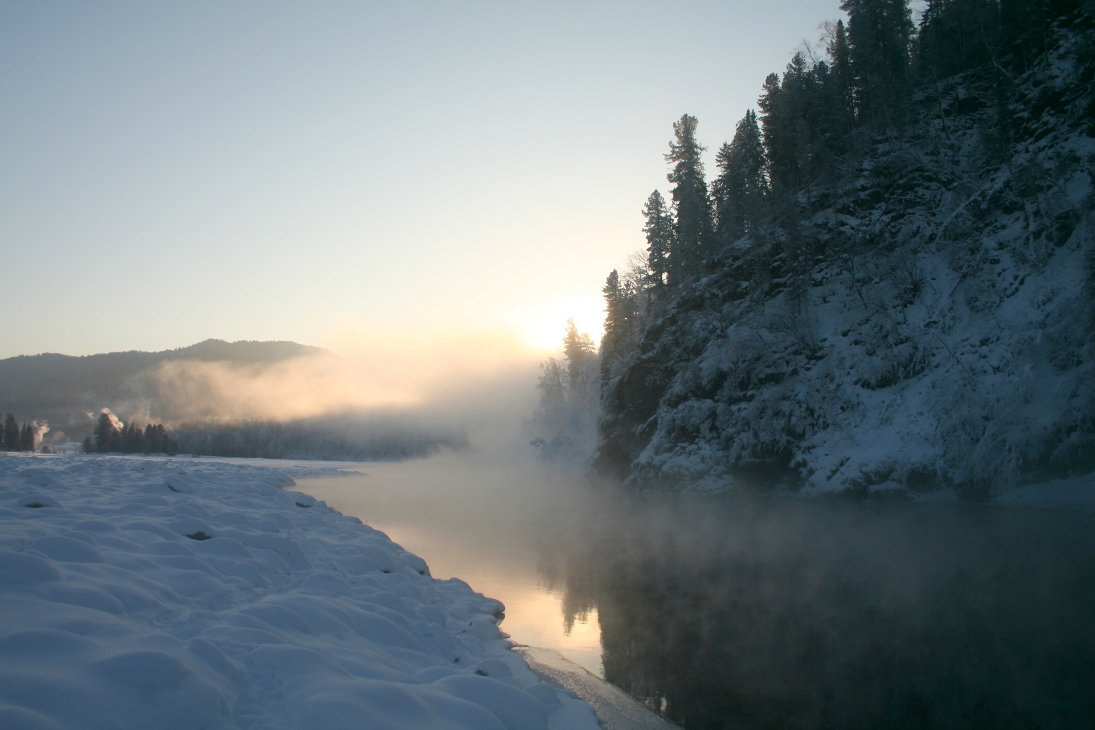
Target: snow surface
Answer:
[[179, 593]]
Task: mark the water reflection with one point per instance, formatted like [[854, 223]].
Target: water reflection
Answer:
[[486, 523], [783, 614], [742, 613]]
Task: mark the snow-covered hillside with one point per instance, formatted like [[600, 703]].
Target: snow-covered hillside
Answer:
[[927, 324], [178, 593]]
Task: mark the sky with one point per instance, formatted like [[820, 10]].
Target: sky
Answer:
[[341, 174]]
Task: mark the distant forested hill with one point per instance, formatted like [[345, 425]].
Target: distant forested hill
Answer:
[[890, 281], [64, 389]]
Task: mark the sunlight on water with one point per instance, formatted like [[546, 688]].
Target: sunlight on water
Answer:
[[481, 523], [747, 612], [534, 612]]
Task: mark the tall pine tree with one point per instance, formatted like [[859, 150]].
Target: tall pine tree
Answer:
[[11, 433], [659, 237], [841, 68], [580, 358], [956, 35], [742, 182], [107, 436], [694, 227], [879, 37], [620, 313]]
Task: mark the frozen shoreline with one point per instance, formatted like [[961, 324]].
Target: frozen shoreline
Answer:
[[192, 593]]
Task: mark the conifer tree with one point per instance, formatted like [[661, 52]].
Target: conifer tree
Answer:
[[742, 182], [154, 440], [126, 439], [619, 321], [841, 70], [552, 411], [786, 116], [150, 442], [774, 119], [26, 438], [659, 237], [107, 437], [956, 35], [879, 36], [578, 351], [11, 433], [694, 227]]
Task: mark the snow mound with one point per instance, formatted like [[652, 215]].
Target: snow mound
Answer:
[[172, 593]]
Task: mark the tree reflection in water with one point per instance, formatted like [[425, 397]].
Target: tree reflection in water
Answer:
[[782, 614]]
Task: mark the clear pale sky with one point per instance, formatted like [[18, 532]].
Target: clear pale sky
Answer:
[[326, 172]]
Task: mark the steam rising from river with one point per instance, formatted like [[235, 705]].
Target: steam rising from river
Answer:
[[753, 612], [468, 376]]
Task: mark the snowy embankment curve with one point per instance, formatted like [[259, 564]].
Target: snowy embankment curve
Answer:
[[177, 593]]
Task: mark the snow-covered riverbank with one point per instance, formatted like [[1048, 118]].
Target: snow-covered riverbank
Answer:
[[179, 593]]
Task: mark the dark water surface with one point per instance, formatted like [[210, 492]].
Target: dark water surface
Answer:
[[752, 613]]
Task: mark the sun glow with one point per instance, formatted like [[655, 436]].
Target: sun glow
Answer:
[[542, 326]]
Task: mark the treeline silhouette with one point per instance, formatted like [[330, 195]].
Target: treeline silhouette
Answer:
[[347, 438], [112, 436], [339, 438]]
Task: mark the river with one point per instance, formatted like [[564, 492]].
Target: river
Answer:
[[750, 612]]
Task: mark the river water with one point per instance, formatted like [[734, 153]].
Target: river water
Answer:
[[744, 612]]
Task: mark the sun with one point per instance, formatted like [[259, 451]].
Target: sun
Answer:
[[542, 326]]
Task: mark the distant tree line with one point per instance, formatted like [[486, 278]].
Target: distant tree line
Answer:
[[112, 436], [347, 438], [344, 438], [14, 437]]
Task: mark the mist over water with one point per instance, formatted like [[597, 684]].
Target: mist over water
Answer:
[[485, 521], [751, 612]]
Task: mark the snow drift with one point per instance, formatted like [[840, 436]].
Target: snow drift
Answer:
[[176, 593]]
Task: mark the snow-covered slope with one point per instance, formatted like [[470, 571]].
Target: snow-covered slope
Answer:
[[927, 322], [168, 593]]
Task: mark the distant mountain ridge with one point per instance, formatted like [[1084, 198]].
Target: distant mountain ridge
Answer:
[[64, 388]]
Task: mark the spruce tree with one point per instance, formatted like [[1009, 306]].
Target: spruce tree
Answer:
[[841, 69], [694, 227], [552, 412], [26, 438], [879, 37], [107, 437], [956, 35], [132, 439], [619, 321], [791, 121], [774, 118], [659, 237], [11, 433], [742, 182], [578, 351]]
